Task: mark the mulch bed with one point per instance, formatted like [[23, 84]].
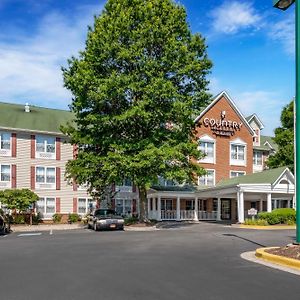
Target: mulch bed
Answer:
[[290, 251]]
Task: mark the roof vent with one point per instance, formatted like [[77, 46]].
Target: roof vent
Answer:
[[27, 107]]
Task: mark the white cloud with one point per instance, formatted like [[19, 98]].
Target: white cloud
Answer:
[[30, 66], [233, 16], [284, 33], [266, 104]]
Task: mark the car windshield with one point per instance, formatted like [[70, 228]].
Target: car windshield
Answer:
[[105, 212]]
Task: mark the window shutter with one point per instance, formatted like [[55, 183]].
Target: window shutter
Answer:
[[14, 145], [58, 148], [134, 206], [32, 178], [13, 176], [75, 151], [74, 205], [57, 204], [57, 178], [74, 186], [32, 146], [134, 188]]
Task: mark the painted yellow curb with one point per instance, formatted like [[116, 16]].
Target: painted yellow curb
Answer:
[[276, 259], [270, 227]]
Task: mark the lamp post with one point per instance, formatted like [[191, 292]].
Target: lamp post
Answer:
[[283, 5]]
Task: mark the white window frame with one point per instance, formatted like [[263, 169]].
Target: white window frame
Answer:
[[45, 154], [5, 184], [87, 201], [234, 171], [124, 188], [5, 152], [255, 158], [207, 139], [45, 184], [214, 178], [164, 182], [124, 212], [238, 162], [45, 214]]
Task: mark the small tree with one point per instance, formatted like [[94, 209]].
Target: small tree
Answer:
[[137, 87], [284, 138], [16, 199]]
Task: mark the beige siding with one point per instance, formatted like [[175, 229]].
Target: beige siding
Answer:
[[24, 163]]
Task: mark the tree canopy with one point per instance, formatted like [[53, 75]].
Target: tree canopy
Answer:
[[284, 138], [136, 89], [18, 199]]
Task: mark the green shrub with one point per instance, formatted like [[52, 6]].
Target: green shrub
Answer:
[[36, 219], [279, 216], [56, 218], [258, 222], [19, 219], [73, 218], [130, 220]]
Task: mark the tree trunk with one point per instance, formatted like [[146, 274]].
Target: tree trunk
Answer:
[[143, 217]]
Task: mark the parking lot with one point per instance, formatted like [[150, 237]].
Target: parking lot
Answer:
[[199, 261]]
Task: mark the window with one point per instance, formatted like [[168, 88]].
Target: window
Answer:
[[45, 147], [5, 141], [238, 153], [166, 204], [166, 182], [125, 186], [86, 205], [123, 207], [207, 179], [236, 173], [189, 205], [46, 207], [45, 177], [5, 173], [207, 147], [257, 158]]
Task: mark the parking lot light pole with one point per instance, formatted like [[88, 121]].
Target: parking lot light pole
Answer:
[[284, 4]]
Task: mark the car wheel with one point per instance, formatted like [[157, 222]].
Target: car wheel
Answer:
[[89, 226], [95, 227]]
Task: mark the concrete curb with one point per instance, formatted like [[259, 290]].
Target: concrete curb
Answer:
[[250, 256], [270, 227], [276, 259], [34, 228]]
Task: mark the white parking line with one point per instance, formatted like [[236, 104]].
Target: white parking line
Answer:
[[3, 236], [30, 234], [51, 232]]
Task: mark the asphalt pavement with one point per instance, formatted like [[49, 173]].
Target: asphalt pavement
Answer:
[[188, 261]]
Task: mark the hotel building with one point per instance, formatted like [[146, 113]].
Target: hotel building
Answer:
[[34, 152]]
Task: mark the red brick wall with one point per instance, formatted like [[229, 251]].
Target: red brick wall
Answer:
[[222, 165]]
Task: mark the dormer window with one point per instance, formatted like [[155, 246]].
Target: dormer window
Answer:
[[207, 147]]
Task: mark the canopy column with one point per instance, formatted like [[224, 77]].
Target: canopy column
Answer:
[[196, 210], [269, 202], [178, 209], [219, 210], [240, 198]]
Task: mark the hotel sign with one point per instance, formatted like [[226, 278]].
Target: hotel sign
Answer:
[[222, 126]]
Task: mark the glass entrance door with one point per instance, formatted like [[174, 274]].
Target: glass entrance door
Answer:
[[225, 209]]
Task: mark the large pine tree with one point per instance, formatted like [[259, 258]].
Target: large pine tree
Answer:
[[137, 87]]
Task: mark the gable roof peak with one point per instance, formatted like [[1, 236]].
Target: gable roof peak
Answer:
[[232, 104]]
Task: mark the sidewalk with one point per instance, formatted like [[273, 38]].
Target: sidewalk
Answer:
[[49, 227], [46, 227]]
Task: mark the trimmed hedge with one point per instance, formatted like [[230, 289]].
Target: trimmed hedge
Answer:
[[279, 216]]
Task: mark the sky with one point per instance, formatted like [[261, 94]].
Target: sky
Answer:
[[250, 43]]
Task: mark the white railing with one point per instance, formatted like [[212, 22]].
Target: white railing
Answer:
[[168, 214], [205, 215], [184, 215], [187, 215]]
